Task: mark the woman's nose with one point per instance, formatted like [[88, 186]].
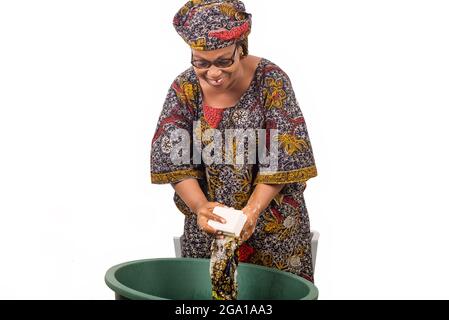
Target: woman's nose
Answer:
[[214, 72]]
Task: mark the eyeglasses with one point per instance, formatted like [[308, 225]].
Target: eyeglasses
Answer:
[[219, 63]]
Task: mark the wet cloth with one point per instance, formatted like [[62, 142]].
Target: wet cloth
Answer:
[[223, 268]]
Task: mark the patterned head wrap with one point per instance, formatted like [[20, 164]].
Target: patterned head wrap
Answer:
[[212, 24]]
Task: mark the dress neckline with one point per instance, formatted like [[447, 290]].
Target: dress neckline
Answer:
[[259, 64]]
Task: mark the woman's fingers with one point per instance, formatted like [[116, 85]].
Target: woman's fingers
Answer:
[[206, 213], [204, 226], [212, 216], [217, 218], [207, 228]]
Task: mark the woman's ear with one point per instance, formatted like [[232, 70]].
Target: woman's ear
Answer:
[[241, 52]]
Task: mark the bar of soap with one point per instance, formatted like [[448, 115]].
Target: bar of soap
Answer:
[[235, 220]]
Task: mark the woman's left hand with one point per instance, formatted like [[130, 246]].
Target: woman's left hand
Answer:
[[252, 214]]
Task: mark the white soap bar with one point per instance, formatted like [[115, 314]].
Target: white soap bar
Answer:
[[235, 220]]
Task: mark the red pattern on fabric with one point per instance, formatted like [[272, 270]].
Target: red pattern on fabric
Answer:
[[179, 90], [275, 212], [290, 201], [189, 18], [298, 120], [269, 125], [234, 33], [171, 119], [307, 277], [213, 116], [245, 251]]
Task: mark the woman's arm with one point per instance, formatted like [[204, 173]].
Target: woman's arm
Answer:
[[190, 192], [259, 200], [262, 196]]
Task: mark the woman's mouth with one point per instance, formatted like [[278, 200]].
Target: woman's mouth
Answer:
[[216, 82]]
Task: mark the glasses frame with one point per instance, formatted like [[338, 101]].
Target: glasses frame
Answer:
[[210, 63]]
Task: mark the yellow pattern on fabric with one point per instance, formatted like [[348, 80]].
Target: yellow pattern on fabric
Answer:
[[281, 265], [198, 44], [275, 94], [175, 176], [271, 223], [278, 198], [188, 5], [241, 198], [190, 92], [300, 175], [184, 10], [291, 143], [284, 233], [243, 180], [213, 181], [299, 251], [262, 258], [267, 260], [228, 10]]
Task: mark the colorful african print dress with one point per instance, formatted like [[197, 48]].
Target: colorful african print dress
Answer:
[[282, 236]]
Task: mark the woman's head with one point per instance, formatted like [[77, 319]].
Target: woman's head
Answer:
[[220, 68], [217, 33]]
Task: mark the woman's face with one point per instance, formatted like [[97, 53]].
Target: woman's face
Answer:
[[220, 78]]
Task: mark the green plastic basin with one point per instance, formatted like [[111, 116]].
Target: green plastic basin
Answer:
[[188, 279]]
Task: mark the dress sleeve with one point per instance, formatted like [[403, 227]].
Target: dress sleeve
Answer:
[[295, 161], [176, 120]]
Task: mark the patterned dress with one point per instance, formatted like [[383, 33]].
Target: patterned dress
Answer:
[[282, 236]]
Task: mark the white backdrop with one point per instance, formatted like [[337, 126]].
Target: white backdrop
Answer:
[[81, 87]]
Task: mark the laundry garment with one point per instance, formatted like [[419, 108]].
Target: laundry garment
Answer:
[[223, 268]]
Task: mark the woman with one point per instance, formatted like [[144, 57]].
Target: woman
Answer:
[[226, 88]]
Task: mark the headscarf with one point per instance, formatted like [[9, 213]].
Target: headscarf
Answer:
[[212, 24]]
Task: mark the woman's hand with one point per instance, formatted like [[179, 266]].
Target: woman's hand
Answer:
[[204, 214], [252, 212]]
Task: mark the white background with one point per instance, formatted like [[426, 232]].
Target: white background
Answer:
[[82, 84]]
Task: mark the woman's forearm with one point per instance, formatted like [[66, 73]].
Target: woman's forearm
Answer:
[[259, 200], [262, 196], [190, 192]]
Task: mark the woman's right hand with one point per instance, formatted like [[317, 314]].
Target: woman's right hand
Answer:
[[204, 214]]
